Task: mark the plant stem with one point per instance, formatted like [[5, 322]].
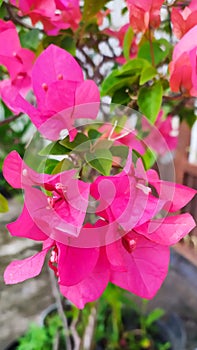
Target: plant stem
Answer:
[[143, 315], [75, 335], [87, 342], [15, 18], [10, 119], [176, 97], [60, 309], [56, 342], [151, 47]]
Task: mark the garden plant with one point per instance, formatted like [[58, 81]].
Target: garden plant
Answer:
[[92, 95]]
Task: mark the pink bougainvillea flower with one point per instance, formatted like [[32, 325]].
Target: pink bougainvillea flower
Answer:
[[17, 60], [71, 265], [60, 213], [123, 194], [139, 260], [183, 66], [83, 273], [136, 261], [145, 254], [120, 34], [128, 192], [162, 136], [184, 20], [93, 285], [144, 14], [54, 14], [70, 12], [175, 195], [62, 94], [43, 11], [181, 75], [144, 264], [37, 6]]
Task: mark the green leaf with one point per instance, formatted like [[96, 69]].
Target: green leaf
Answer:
[[65, 164], [47, 40], [100, 160], [1, 2], [48, 165], [7, 111], [153, 316], [94, 134], [92, 7], [133, 67], [103, 144], [147, 74], [149, 100], [115, 82], [123, 77], [69, 44], [149, 158], [3, 204], [161, 49], [188, 115], [54, 148], [121, 97], [81, 143], [3, 10], [29, 39], [119, 151], [128, 38], [36, 337]]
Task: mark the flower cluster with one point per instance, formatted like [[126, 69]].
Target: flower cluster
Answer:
[[183, 65], [144, 14], [60, 92], [127, 245], [128, 242], [54, 14], [184, 19], [101, 213], [17, 60]]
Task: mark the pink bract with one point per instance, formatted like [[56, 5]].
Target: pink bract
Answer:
[[161, 137], [137, 260], [17, 60], [62, 212], [62, 94], [183, 66], [54, 14], [184, 20], [144, 14], [61, 255]]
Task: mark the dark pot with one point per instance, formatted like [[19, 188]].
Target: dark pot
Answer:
[[47, 312], [13, 345], [172, 329], [52, 310], [168, 329]]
